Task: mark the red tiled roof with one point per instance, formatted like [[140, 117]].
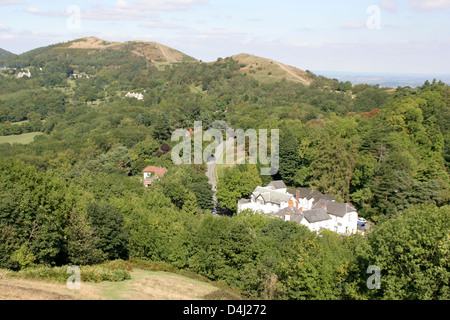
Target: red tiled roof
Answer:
[[157, 170]]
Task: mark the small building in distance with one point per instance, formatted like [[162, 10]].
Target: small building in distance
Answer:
[[138, 96], [152, 174], [24, 74]]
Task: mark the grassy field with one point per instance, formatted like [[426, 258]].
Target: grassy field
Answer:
[[143, 285], [23, 138]]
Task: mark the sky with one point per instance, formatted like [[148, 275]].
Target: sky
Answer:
[[388, 36]]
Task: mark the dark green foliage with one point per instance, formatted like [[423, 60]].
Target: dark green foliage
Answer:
[[289, 158], [108, 227]]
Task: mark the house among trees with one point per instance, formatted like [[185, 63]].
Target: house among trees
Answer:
[[138, 96], [310, 208], [152, 174], [80, 75], [24, 74]]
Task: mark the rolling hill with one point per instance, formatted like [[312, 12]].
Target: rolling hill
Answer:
[[152, 51], [4, 53], [264, 69], [92, 52]]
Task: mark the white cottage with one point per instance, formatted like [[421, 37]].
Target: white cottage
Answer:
[[266, 200]]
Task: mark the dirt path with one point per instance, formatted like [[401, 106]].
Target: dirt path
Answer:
[[211, 165], [163, 51], [291, 73]]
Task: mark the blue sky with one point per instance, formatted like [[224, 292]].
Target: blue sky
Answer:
[[396, 36]]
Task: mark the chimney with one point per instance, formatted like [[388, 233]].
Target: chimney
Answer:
[[291, 204], [287, 216]]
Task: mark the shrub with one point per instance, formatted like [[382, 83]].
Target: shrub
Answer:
[[117, 270]]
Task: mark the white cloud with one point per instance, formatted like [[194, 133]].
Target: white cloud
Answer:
[[125, 10], [9, 2], [33, 10], [429, 5], [52, 13]]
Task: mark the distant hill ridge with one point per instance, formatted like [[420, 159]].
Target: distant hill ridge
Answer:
[[150, 50], [4, 53], [262, 69]]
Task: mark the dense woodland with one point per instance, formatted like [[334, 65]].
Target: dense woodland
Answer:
[[74, 195]]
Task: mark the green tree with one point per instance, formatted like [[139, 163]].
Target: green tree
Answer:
[[237, 182], [108, 226], [82, 241], [412, 252], [333, 167], [162, 129]]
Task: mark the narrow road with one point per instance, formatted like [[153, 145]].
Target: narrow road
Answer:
[[211, 166]]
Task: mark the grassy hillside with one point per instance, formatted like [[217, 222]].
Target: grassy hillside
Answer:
[[270, 70], [143, 285], [23, 138], [97, 54]]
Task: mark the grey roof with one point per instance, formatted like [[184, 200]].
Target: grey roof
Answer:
[[315, 215], [278, 184], [270, 195], [338, 209], [320, 203], [296, 215], [244, 201], [288, 210], [308, 194]]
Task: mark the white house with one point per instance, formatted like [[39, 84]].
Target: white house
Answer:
[[24, 74], [310, 208], [269, 199], [138, 96], [266, 200], [344, 216], [152, 174]]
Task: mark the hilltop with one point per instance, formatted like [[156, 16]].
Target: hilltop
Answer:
[[151, 51], [264, 69]]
